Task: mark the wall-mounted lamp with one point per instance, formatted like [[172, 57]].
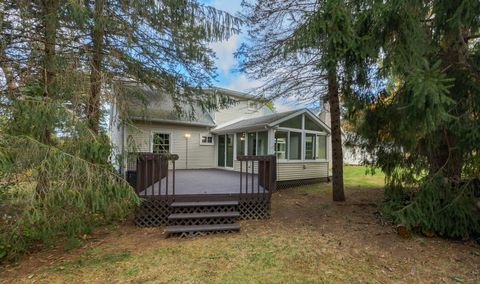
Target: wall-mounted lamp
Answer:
[[187, 135]]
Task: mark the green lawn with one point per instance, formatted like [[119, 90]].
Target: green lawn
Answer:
[[309, 239], [361, 176]]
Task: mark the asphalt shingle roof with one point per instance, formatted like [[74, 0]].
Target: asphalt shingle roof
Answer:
[[147, 104], [254, 123]]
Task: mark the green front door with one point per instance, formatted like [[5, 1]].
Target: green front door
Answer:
[[221, 150], [225, 150]]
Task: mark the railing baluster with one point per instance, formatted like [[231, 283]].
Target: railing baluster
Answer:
[[161, 171], [145, 176], [173, 175], [166, 175], [253, 176], [153, 176], [241, 169], [265, 177], [246, 177], [258, 177]]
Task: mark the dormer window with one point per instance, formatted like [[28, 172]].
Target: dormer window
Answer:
[[252, 105]]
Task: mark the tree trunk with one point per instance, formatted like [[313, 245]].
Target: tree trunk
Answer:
[[50, 22], [93, 109], [337, 155]]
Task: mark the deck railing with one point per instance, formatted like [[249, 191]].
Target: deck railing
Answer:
[[150, 170], [262, 170]]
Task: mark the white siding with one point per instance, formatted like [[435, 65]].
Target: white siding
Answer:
[[293, 171], [116, 136], [238, 111], [199, 156]]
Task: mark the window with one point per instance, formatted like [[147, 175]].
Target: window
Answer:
[[206, 139], [281, 144], [310, 140], [252, 105], [262, 143], [161, 143], [321, 152], [295, 146], [295, 122], [311, 125], [240, 144], [252, 143], [229, 158]]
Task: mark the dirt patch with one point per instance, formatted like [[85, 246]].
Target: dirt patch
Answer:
[[308, 239]]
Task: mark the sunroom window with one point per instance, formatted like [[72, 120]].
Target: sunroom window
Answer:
[[310, 140], [295, 122], [281, 144], [310, 125], [321, 152], [262, 143], [295, 146]]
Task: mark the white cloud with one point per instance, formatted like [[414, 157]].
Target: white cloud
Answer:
[[225, 53], [281, 107], [242, 83]]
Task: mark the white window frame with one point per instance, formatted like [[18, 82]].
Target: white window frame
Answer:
[[170, 137], [303, 132], [207, 135]]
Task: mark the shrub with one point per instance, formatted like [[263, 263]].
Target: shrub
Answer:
[[80, 195], [437, 205]]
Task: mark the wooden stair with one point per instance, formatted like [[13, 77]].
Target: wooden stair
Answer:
[[205, 217]]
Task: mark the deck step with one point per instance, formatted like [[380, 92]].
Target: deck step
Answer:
[[233, 214], [201, 228], [204, 203]]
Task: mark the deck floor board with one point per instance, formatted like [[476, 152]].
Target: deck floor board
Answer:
[[204, 181]]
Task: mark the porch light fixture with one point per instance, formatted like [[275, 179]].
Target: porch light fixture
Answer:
[[187, 135]]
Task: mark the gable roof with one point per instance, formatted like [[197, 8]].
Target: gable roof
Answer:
[[235, 94], [144, 103], [267, 121]]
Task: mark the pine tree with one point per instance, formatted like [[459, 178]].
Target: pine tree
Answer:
[[308, 44]]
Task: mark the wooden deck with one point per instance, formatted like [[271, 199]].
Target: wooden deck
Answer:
[[204, 181], [202, 200]]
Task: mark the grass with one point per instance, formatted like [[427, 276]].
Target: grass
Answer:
[[310, 239], [361, 176]]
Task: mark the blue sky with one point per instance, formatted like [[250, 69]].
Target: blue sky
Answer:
[[226, 63]]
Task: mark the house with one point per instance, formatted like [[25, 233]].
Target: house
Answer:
[[199, 173], [298, 138], [352, 155]]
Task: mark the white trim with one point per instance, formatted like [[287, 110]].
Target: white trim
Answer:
[[271, 142], [300, 130], [234, 147], [169, 121], [302, 111], [302, 140], [206, 134]]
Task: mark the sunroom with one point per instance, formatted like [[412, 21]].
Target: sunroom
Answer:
[[299, 139]]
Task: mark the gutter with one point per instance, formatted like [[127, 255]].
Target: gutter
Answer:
[[171, 121]]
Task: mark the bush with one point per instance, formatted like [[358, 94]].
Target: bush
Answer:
[[437, 205], [80, 195]]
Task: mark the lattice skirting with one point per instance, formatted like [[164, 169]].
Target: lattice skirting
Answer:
[[155, 212], [152, 213], [294, 183], [254, 209]]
